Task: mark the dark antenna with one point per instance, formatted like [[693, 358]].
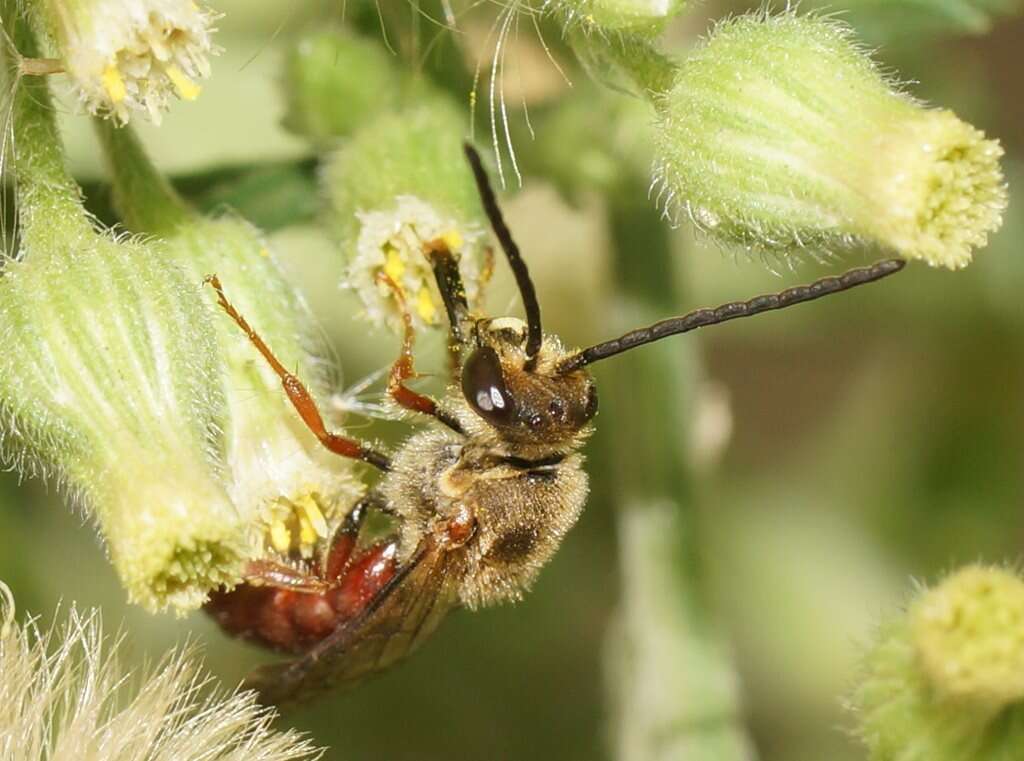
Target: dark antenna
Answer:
[[731, 311], [515, 259]]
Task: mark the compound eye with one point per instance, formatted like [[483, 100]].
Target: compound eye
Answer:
[[483, 385]]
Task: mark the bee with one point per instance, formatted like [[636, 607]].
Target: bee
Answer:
[[479, 500]]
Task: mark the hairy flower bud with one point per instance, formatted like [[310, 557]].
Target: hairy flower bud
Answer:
[[397, 187], [334, 81], [127, 56], [284, 484], [945, 682], [109, 381], [780, 133], [604, 16]]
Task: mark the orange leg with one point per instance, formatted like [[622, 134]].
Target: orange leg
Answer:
[[402, 369], [299, 395], [268, 573]]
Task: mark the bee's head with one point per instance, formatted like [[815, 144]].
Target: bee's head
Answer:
[[523, 395]]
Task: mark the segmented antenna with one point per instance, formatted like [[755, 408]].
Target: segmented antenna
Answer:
[[515, 259], [732, 311]]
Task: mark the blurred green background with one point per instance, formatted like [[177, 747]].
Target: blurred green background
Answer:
[[841, 449]]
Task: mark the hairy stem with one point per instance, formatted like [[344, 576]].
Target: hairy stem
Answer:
[[48, 197], [143, 196]]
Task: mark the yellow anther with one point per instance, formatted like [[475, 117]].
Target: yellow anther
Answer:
[[280, 536], [452, 239], [187, 89], [264, 252], [307, 533], [394, 266], [425, 306], [113, 84], [309, 512]]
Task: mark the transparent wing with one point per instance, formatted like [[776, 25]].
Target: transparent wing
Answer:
[[403, 614]]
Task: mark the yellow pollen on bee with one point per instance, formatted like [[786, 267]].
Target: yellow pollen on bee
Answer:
[[280, 536], [113, 84], [452, 239], [394, 266], [187, 89], [425, 306]]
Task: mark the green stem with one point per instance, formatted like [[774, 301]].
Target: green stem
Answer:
[[144, 198], [48, 197], [673, 686]]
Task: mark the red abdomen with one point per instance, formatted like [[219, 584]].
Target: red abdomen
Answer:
[[293, 621]]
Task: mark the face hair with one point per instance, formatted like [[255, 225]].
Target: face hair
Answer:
[[733, 310], [515, 259]]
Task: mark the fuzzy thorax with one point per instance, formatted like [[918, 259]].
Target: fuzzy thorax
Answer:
[[127, 56], [519, 517]]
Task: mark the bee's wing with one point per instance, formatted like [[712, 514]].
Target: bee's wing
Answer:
[[405, 611]]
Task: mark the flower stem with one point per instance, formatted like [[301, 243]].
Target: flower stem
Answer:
[[672, 684], [143, 196], [48, 197]]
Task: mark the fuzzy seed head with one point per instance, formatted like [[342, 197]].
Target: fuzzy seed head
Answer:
[[129, 56], [781, 134], [65, 693]]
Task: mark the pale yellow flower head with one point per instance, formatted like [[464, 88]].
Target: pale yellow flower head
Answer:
[[127, 56]]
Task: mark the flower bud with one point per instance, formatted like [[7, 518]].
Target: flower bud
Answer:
[[780, 133], [969, 636], [604, 16], [283, 483], [126, 56], [400, 184], [109, 381], [945, 682], [335, 81]]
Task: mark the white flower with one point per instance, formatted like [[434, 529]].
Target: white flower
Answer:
[[132, 55], [395, 242]]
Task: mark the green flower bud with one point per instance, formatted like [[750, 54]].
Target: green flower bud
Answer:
[[127, 56], [780, 133], [334, 81], [109, 381], [284, 484], [605, 16], [945, 682], [969, 636], [400, 184]]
